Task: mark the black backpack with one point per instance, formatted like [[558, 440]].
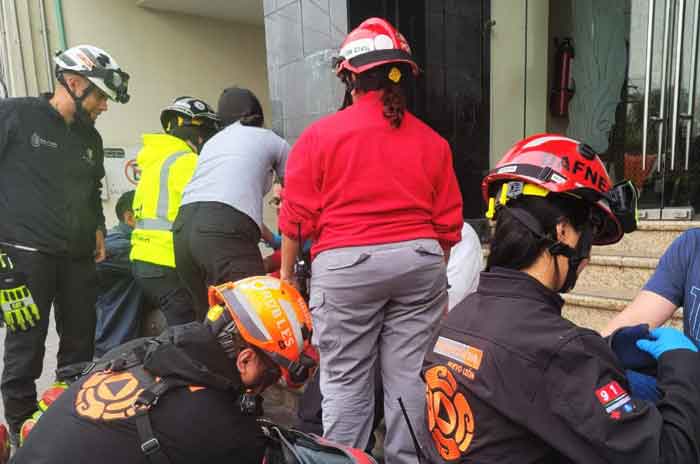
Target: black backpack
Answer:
[[290, 446]]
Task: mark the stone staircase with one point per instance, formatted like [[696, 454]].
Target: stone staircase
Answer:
[[617, 272]]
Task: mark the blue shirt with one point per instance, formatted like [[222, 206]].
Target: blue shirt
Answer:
[[677, 278], [119, 299]]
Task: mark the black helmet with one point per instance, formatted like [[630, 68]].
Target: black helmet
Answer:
[[189, 111]]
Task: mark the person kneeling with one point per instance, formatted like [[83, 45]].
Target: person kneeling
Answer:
[[509, 380], [189, 395]]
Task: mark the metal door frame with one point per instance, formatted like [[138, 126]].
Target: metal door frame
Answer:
[[669, 116]]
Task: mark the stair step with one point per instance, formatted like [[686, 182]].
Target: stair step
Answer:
[[618, 271], [594, 307], [650, 239]]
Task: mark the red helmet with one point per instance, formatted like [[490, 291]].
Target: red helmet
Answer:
[[373, 43], [546, 163]]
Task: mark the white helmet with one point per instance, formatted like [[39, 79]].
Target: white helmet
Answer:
[[96, 65]]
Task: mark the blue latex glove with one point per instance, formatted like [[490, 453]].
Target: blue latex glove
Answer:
[[307, 246], [623, 343], [666, 339], [643, 387], [276, 242]]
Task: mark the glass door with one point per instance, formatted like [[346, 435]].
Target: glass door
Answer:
[[661, 147], [634, 95]]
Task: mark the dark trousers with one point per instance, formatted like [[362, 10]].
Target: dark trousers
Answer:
[[71, 286], [214, 244], [164, 289]]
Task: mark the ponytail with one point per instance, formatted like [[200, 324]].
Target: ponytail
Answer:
[[394, 102], [393, 95]]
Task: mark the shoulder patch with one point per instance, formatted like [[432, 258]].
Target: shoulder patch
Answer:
[[613, 398], [460, 352], [450, 417]]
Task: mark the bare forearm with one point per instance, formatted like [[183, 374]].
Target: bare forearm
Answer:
[[290, 250], [646, 308]]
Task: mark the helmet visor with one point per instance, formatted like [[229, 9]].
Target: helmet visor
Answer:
[[622, 198], [115, 80]]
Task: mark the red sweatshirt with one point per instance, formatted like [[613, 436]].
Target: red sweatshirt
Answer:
[[352, 179]]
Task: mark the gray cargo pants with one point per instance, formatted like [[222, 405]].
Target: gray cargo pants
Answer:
[[376, 303]]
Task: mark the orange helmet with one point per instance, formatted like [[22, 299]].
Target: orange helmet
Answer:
[[271, 316], [373, 43]]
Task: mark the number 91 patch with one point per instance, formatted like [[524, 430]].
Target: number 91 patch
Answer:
[[614, 399]]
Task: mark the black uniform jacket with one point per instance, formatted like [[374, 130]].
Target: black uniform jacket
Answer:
[[202, 423], [511, 381], [50, 176]]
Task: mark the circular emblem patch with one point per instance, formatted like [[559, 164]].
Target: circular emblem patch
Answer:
[[450, 418], [108, 396]]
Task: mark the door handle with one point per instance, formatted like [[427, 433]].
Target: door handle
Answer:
[[647, 81], [659, 118], [680, 26], [690, 113], [664, 73]]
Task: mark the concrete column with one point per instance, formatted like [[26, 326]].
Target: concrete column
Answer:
[[302, 37]]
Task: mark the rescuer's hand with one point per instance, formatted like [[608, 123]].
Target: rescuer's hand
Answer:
[[19, 311], [666, 339], [100, 250]]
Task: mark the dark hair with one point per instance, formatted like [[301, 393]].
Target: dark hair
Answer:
[[515, 246], [393, 94], [124, 204]]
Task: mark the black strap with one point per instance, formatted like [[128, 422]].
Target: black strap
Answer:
[[150, 446]]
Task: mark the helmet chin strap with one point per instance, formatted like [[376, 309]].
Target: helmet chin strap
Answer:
[[80, 114], [575, 256]]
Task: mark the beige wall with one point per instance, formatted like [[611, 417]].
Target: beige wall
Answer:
[[166, 54], [519, 44]]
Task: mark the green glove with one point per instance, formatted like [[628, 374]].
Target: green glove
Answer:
[[5, 262], [16, 302]]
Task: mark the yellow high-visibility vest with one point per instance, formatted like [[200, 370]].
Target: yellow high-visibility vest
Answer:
[[167, 164]]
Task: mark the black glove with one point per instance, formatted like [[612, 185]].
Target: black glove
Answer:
[[624, 343]]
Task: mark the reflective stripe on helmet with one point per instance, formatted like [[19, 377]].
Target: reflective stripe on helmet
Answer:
[[236, 300]]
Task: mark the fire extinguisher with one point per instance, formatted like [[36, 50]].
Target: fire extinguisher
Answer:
[[563, 81]]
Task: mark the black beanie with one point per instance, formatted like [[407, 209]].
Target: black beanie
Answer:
[[236, 103]]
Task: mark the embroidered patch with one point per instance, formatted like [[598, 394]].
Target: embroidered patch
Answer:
[[460, 352], [450, 417], [108, 396], [613, 397]]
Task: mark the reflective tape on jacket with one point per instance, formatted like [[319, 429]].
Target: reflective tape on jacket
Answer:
[[152, 239]]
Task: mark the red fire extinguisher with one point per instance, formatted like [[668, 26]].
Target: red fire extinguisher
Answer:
[[563, 82]]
